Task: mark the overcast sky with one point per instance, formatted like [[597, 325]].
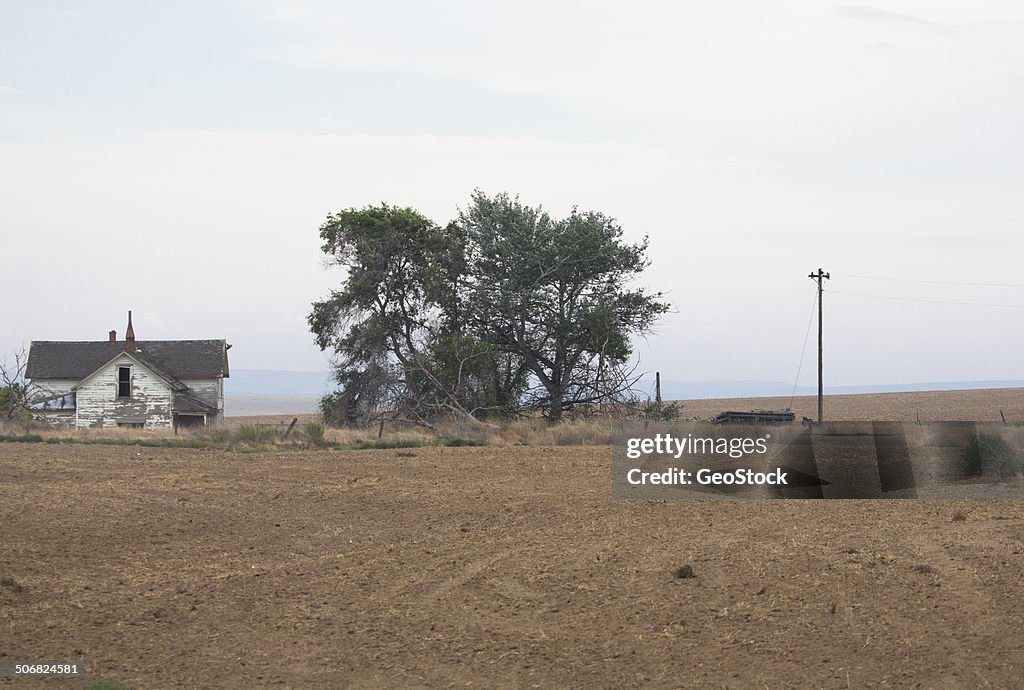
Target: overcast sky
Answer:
[[177, 159]]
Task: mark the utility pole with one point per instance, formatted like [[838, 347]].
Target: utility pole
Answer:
[[657, 387], [819, 276]]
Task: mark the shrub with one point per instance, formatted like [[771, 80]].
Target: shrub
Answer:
[[385, 444], [457, 441], [212, 435], [315, 432], [254, 434], [661, 411]]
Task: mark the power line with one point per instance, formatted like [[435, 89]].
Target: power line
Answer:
[[930, 301], [928, 282], [807, 335]]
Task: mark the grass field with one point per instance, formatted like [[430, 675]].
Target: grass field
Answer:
[[943, 406], [966, 405], [500, 566]]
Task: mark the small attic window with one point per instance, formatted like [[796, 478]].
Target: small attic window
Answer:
[[124, 382]]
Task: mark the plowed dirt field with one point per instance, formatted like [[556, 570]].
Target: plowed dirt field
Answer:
[[485, 567]]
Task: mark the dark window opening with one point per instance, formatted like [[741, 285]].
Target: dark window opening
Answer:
[[124, 382], [191, 420]]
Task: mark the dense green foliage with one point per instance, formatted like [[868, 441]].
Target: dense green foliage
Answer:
[[503, 311], [11, 396]]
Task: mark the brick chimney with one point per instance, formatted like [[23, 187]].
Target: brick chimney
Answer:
[[113, 336], [129, 335]]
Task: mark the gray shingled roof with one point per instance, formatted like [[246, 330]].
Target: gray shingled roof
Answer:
[[180, 359]]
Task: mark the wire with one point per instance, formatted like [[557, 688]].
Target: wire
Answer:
[[928, 282], [803, 352], [930, 301]]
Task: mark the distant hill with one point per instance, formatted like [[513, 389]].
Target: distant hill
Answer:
[[262, 406], [261, 391], [703, 390]]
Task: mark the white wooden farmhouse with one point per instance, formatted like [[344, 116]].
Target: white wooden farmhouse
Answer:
[[147, 383]]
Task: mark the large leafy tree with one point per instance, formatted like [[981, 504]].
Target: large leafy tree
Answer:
[[555, 293], [503, 310], [394, 325], [378, 321]]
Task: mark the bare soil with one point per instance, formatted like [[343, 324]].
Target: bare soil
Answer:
[[486, 567]]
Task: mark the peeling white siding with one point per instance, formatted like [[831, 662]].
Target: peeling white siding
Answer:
[[99, 406], [204, 389], [210, 391], [57, 418]]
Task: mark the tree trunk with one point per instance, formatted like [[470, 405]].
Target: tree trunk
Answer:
[[555, 406]]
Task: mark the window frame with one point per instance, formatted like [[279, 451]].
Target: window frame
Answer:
[[128, 382]]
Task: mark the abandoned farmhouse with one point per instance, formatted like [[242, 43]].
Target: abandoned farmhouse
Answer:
[[145, 384]]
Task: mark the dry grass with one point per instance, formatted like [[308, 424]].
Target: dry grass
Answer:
[[354, 437], [973, 405], [598, 431], [115, 435], [279, 420]]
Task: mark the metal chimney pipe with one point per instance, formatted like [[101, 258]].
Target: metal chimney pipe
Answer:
[[129, 335]]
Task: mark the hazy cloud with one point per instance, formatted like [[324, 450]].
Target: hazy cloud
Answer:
[[63, 13], [752, 141], [874, 14]]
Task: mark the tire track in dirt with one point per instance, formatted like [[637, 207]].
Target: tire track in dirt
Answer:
[[980, 588]]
